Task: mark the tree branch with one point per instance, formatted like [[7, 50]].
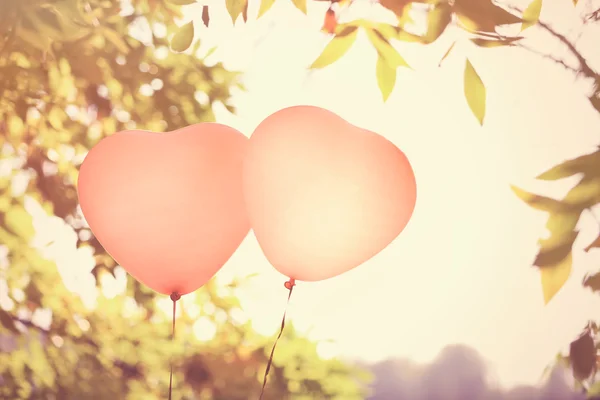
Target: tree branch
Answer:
[[593, 16], [583, 64], [549, 57], [584, 67]]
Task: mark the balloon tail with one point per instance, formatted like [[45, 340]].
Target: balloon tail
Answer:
[[289, 285], [174, 296]]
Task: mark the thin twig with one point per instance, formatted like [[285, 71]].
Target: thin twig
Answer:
[[583, 64], [593, 16], [549, 57], [585, 68]]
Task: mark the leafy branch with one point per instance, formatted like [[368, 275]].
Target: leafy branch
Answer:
[[584, 67]]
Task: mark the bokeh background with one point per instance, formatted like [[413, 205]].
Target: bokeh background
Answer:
[[453, 309]]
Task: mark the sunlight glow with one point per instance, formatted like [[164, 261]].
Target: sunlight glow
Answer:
[[204, 329], [461, 272]]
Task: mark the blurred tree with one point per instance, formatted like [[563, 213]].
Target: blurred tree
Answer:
[[458, 373], [71, 72]]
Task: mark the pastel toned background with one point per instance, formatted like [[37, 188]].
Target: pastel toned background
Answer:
[[461, 271]]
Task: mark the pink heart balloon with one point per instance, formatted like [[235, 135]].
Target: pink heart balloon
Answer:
[[323, 196], [167, 207]]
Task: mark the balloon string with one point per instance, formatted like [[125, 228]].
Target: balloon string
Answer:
[[174, 296], [290, 286]]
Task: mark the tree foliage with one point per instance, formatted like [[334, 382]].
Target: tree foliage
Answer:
[[72, 72]]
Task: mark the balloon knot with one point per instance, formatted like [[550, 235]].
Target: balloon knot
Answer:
[[175, 296], [290, 284]]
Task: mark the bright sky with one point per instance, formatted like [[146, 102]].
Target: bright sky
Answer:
[[461, 271]]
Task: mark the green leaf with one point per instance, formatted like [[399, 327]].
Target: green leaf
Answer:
[[385, 50], [487, 43], [300, 5], [541, 203], [55, 117], [531, 15], [265, 5], [474, 92], [387, 31], [336, 48], [438, 20], [594, 389], [182, 40], [182, 2], [7, 321], [554, 278], [555, 257], [386, 77], [587, 164], [584, 195], [446, 54], [235, 8], [71, 11], [403, 14], [46, 23], [114, 38], [592, 282], [210, 52], [251, 276], [558, 247], [37, 41], [226, 302], [71, 19], [19, 221]]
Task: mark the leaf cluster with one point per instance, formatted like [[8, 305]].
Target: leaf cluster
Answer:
[[478, 19]]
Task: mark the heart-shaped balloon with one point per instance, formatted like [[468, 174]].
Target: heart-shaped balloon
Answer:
[[323, 196], [168, 207]]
